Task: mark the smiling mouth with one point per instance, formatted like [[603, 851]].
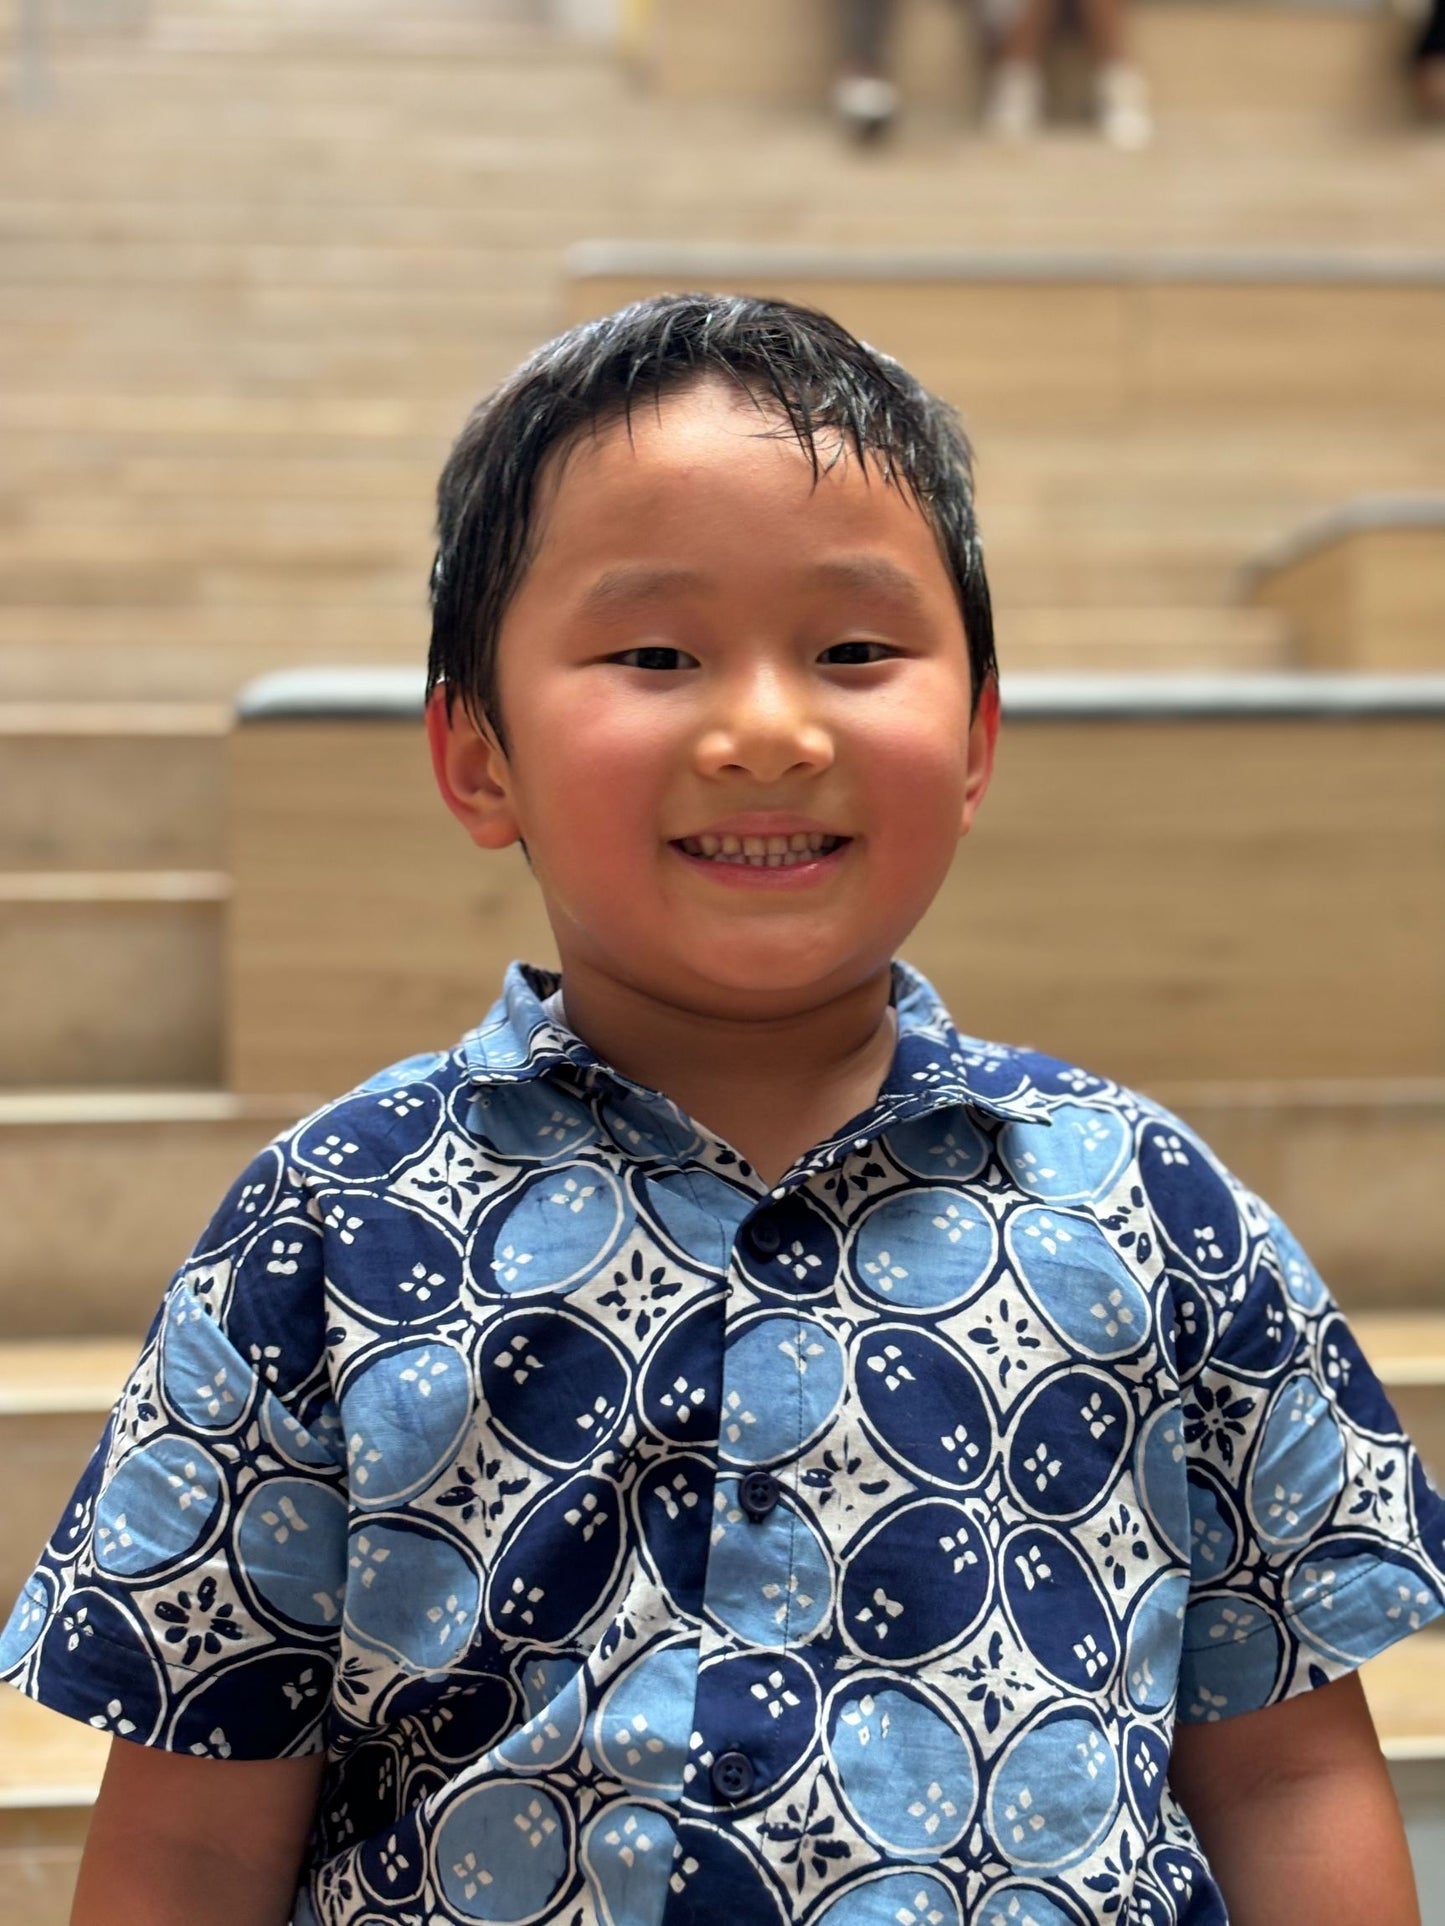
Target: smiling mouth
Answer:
[[763, 852]]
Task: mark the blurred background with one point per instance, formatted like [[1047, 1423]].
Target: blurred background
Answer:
[[1181, 267]]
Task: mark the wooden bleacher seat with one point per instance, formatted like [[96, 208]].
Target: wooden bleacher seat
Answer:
[[1362, 586], [1325, 61]]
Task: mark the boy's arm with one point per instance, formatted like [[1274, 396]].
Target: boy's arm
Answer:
[[178, 1841], [1296, 1813]]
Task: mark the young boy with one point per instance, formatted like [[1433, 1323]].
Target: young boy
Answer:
[[718, 1445]]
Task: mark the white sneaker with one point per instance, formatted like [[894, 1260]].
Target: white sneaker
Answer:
[[865, 104], [1121, 98], [1014, 104]]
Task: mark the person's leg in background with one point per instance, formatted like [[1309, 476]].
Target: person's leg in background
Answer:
[[865, 100], [1121, 96], [1428, 62], [1013, 105], [1014, 101]]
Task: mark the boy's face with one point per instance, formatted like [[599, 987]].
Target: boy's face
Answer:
[[705, 642]]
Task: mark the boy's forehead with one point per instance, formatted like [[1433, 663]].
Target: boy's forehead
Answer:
[[710, 437]]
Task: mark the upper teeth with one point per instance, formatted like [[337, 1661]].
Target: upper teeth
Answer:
[[770, 849]]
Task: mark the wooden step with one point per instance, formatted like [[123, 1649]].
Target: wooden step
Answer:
[[191, 654], [1335, 63], [1096, 338], [112, 786], [103, 1194], [112, 977], [1364, 585], [1141, 640]]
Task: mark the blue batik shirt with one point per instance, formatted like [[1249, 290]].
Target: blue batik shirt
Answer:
[[646, 1545]]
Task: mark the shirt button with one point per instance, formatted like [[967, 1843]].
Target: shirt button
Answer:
[[732, 1776], [758, 1494], [764, 1236]]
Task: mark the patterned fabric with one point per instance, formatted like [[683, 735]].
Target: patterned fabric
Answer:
[[644, 1544]]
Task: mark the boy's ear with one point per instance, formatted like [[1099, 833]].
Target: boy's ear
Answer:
[[472, 774], [982, 741]]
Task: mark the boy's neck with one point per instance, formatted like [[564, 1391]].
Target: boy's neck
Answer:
[[770, 1087]]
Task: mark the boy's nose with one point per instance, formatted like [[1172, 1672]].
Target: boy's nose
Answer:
[[766, 729]]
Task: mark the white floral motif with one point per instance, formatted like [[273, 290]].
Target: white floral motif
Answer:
[[626, 1738], [520, 1361], [601, 1414], [1090, 1413], [334, 1152], [1050, 1231], [344, 1226], [936, 1804], [424, 1373], [113, 1719], [522, 1599], [676, 1496], [775, 1694], [572, 1196], [283, 1520], [1044, 1468], [1206, 1244], [1171, 1150], [367, 1559], [629, 1839], [887, 1363], [508, 1262], [588, 1514], [799, 1261], [790, 1594], [284, 1253], [886, 1271], [1031, 1567], [683, 1398], [186, 1486], [448, 1618], [878, 1613], [421, 1283], [953, 1223]]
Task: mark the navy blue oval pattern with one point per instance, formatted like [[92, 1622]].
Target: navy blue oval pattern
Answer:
[[435, 1460]]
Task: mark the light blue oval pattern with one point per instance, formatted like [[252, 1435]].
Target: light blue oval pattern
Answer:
[[643, 1725], [1077, 1279], [1054, 1793], [743, 1588], [562, 1227], [1076, 1158], [1298, 1471], [894, 1899], [388, 1569], [159, 1506], [923, 1249], [784, 1378], [627, 1855], [907, 1773], [501, 1852], [291, 1537], [404, 1416]]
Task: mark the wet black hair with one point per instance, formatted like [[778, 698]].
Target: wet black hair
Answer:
[[791, 358]]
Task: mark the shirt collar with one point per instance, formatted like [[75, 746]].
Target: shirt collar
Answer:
[[932, 1063]]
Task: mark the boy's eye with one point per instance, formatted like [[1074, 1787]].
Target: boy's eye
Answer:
[[652, 655], [851, 661]]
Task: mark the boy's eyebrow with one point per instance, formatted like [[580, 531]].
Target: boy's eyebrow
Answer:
[[631, 582]]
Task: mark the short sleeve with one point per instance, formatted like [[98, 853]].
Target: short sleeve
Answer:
[[190, 1597], [1316, 1537]]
